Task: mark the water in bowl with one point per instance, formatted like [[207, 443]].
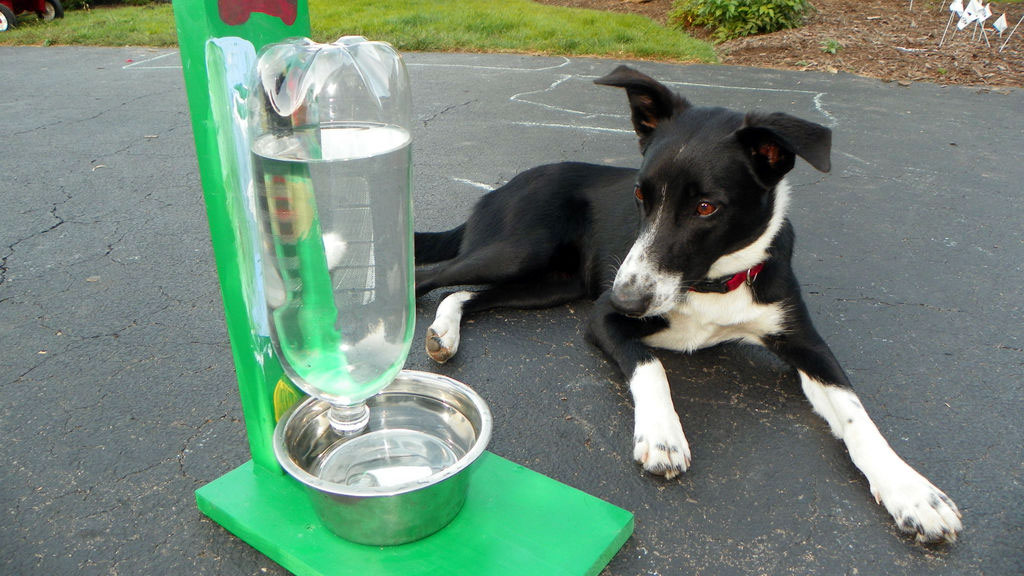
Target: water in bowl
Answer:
[[386, 460]]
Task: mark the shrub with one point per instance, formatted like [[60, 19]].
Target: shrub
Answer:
[[728, 19]]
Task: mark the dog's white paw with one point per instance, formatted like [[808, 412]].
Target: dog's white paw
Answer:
[[660, 445], [658, 440], [918, 506], [442, 342], [443, 334]]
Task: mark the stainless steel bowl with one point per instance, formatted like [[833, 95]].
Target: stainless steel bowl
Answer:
[[405, 476]]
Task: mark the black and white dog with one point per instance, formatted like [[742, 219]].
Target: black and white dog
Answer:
[[701, 233]]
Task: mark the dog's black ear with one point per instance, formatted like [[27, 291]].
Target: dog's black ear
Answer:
[[651, 102], [773, 139], [772, 157]]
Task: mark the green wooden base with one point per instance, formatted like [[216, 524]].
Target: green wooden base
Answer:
[[515, 521]]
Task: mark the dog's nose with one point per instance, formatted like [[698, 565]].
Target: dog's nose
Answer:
[[630, 304]]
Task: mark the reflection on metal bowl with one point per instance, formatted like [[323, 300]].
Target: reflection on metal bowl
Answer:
[[402, 479]]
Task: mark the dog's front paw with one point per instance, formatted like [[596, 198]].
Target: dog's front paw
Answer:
[[660, 445], [918, 506]]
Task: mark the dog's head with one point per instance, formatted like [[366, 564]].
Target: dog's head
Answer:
[[710, 190]]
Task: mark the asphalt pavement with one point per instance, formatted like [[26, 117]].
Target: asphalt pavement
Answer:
[[118, 396]]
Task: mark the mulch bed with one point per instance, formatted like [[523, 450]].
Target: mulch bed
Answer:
[[880, 39]]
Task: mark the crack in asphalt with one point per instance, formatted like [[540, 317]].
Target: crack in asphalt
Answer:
[[445, 110], [879, 302], [4, 267]]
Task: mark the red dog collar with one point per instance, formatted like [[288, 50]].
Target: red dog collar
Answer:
[[723, 286]]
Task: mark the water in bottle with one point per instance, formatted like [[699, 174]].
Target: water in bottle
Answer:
[[338, 263]]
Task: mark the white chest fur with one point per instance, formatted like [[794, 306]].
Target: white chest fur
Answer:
[[703, 320]]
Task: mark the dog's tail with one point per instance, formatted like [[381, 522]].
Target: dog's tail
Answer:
[[438, 246]]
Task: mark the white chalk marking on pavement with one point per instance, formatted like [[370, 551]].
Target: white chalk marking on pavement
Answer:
[[573, 127], [139, 64], [565, 62], [474, 184]]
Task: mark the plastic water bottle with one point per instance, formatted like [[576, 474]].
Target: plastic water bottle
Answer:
[[332, 156]]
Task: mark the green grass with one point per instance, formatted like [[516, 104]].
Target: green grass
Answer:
[[506, 26], [150, 25], [517, 26]]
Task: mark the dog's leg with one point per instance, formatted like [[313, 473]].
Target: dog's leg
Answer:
[[915, 503], [442, 340], [497, 263], [659, 443], [658, 440]]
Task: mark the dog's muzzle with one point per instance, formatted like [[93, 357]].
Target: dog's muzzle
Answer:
[[640, 287], [630, 303]]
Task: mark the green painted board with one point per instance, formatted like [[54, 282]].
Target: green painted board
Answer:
[[259, 22], [515, 522]]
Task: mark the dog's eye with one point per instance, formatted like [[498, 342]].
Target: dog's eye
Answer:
[[705, 208], [638, 192]]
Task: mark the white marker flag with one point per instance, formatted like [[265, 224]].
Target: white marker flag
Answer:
[[956, 8], [970, 15], [1010, 35], [985, 14], [1000, 25]]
